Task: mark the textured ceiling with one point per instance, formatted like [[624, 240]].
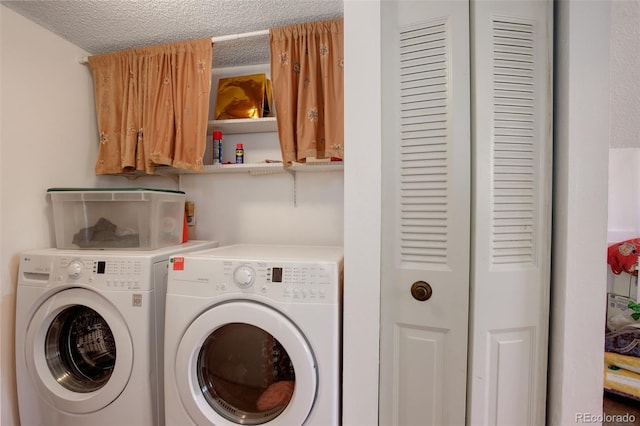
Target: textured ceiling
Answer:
[[624, 125], [100, 26]]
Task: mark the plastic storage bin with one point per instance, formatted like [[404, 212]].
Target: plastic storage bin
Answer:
[[123, 218]]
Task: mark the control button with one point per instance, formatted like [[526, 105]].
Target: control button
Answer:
[[264, 288], [244, 276], [74, 269]]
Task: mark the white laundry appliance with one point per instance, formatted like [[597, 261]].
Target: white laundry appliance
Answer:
[[253, 336], [89, 336]]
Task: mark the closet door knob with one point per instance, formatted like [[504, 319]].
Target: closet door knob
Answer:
[[421, 290]]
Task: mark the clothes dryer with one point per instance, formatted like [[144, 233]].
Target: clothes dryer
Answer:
[[253, 336], [89, 336]]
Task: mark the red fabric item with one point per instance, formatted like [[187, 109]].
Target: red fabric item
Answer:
[[185, 230], [623, 256]]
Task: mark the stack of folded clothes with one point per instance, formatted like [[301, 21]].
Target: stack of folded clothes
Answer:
[[105, 234], [622, 361]]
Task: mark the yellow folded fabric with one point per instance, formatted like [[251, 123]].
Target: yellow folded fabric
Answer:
[[246, 96], [621, 380], [626, 362]]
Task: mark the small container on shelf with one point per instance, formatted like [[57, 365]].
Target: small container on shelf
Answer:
[[217, 147], [239, 154]]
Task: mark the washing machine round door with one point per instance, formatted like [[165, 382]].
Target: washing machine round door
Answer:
[[79, 351], [245, 363]]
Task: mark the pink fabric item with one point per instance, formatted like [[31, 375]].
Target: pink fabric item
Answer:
[[278, 394]]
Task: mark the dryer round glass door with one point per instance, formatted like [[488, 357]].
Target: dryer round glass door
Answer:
[[248, 364], [79, 351], [244, 367]]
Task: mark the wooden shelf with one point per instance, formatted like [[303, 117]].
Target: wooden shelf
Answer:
[[244, 125]]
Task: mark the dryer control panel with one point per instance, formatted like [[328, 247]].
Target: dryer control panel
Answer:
[[295, 282], [282, 281]]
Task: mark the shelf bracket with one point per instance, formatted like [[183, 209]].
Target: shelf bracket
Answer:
[[292, 173]]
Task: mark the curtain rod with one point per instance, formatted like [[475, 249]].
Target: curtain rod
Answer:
[[218, 39]]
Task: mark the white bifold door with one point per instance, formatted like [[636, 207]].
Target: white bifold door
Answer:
[[467, 145]]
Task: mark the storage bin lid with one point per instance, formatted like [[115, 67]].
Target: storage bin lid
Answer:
[[170, 191]]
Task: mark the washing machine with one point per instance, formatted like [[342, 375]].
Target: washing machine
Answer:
[[253, 336], [89, 336]]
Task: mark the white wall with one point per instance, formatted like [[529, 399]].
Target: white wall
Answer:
[[48, 138], [46, 133], [580, 210], [240, 208], [624, 191]]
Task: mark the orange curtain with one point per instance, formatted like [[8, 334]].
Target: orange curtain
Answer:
[[307, 72], [152, 106]]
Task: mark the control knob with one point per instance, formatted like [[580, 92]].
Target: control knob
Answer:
[[74, 269], [244, 276]]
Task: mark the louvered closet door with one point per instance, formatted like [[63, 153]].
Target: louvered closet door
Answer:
[[426, 212], [467, 202], [512, 157]]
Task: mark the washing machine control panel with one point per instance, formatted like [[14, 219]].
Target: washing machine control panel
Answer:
[[104, 273]]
